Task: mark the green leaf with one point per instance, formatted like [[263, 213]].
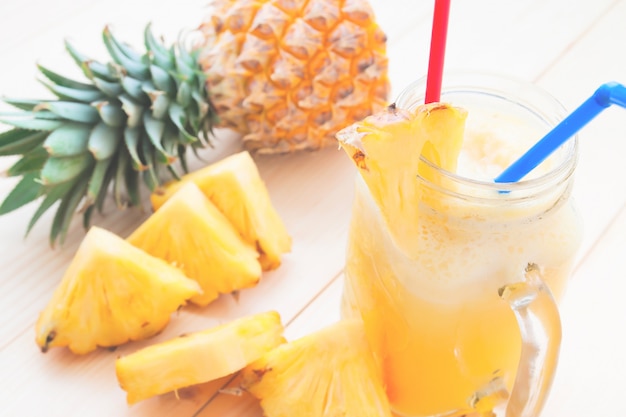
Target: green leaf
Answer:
[[87, 213], [33, 124], [63, 81], [111, 89], [97, 179], [162, 80], [170, 139], [120, 171], [111, 114], [27, 190], [20, 141], [150, 177], [182, 157], [103, 141], [131, 140], [52, 195], [163, 57], [59, 170], [155, 129], [183, 96], [131, 178], [30, 162], [160, 104], [98, 71], [68, 140], [66, 210], [23, 104], [133, 110], [187, 57], [73, 94], [178, 117], [104, 189], [173, 172], [134, 88], [90, 67], [123, 56], [37, 113], [77, 112], [187, 69], [122, 47]]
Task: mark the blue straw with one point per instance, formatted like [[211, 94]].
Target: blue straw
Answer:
[[605, 95]]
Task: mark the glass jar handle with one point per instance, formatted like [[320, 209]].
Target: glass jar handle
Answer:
[[540, 326]]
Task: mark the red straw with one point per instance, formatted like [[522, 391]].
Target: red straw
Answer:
[[437, 50]]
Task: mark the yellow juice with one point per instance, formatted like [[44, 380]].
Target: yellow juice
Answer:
[[444, 338], [431, 252]]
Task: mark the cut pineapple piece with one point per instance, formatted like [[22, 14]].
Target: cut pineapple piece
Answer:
[[198, 357], [328, 373], [111, 293], [387, 147], [234, 185], [190, 232]]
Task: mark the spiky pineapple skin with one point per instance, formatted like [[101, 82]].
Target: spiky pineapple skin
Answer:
[[288, 74]]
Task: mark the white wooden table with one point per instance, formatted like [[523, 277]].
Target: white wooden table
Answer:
[[567, 47]]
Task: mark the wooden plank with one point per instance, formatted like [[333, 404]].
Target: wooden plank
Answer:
[[550, 41], [323, 311], [317, 257], [592, 371], [579, 71], [516, 38]]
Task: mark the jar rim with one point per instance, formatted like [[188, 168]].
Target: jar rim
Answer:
[[515, 90]]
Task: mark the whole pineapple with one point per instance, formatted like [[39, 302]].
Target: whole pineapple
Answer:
[[286, 74], [295, 71]]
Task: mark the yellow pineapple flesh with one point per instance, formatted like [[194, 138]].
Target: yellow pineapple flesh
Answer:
[[234, 185], [110, 294], [387, 148], [327, 373], [198, 357], [288, 74], [191, 233]]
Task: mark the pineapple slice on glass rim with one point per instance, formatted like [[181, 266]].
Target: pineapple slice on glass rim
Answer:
[[387, 148]]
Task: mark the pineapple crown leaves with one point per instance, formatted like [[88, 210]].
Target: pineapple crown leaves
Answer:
[[134, 118]]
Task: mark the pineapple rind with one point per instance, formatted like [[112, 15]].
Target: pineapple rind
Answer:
[[190, 232], [110, 294], [327, 373], [236, 188], [289, 75], [198, 357]]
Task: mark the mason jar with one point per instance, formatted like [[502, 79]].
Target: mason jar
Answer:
[[466, 320]]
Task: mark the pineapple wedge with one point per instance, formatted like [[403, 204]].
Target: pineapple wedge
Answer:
[[111, 293], [190, 232], [198, 357], [387, 148], [234, 185], [328, 373]]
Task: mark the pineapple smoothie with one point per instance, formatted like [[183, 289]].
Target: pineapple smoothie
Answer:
[[424, 264]]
